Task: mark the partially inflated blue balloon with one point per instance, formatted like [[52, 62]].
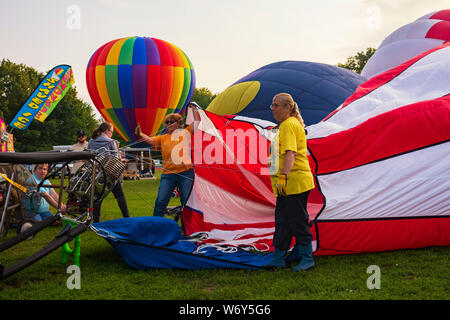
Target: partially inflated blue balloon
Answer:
[[317, 88]]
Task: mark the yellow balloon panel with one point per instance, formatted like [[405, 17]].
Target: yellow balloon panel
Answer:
[[235, 98]]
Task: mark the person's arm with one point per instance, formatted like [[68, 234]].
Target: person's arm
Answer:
[[53, 199], [288, 145], [289, 159], [143, 136], [147, 139]]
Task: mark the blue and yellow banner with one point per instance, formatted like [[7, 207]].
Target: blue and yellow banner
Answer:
[[49, 92]]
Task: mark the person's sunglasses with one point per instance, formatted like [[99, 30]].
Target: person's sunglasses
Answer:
[[170, 122]]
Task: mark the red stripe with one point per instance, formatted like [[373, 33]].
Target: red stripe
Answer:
[[441, 15], [176, 59], [383, 78], [90, 78], [440, 30], [153, 96], [401, 130], [103, 54], [92, 88], [164, 53], [95, 57], [231, 180], [315, 202], [350, 237], [167, 79], [382, 235], [228, 176], [193, 222]]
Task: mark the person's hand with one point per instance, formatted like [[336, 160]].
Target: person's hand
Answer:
[[137, 130], [281, 184], [194, 105]]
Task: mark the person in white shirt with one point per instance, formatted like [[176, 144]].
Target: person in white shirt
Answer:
[[81, 145]]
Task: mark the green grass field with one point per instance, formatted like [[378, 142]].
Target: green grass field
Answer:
[[405, 274]]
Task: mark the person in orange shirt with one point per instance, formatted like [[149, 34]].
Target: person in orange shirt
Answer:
[[175, 153]]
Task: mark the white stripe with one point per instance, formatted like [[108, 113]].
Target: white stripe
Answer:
[[219, 206], [259, 122], [416, 30], [239, 242], [229, 235], [413, 184], [426, 79], [242, 242], [394, 54], [234, 237]]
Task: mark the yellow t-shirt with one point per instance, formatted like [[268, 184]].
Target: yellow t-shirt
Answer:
[[175, 150], [291, 136]]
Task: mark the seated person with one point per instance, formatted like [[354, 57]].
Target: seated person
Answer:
[[48, 196]]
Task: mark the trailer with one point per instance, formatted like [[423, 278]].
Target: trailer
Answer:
[[139, 163]]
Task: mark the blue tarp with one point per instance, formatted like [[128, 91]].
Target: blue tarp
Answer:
[[156, 242]]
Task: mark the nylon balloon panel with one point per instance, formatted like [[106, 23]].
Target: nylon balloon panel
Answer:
[[139, 80]]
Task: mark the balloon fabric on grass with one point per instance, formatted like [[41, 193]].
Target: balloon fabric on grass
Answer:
[[139, 80]]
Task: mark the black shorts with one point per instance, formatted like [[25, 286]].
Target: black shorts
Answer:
[[291, 220]]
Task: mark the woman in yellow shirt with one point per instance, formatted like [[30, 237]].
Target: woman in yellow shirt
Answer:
[[176, 159], [292, 181]]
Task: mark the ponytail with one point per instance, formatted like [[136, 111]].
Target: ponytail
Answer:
[[96, 133], [102, 128], [295, 112]]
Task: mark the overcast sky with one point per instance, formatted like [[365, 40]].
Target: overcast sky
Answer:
[[225, 39]]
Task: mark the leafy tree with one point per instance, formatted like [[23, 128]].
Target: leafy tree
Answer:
[[203, 96], [17, 82], [356, 63]]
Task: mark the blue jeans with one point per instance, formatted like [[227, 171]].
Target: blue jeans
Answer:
[[184, 180], [38, 216]]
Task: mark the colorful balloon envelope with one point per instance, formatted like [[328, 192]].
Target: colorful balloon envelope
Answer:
[[139, 80]]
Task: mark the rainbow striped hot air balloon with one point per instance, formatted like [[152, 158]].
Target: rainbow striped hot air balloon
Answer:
[[139, 80]]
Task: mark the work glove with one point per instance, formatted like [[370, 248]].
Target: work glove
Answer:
[[137, 130], [281, 184]]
